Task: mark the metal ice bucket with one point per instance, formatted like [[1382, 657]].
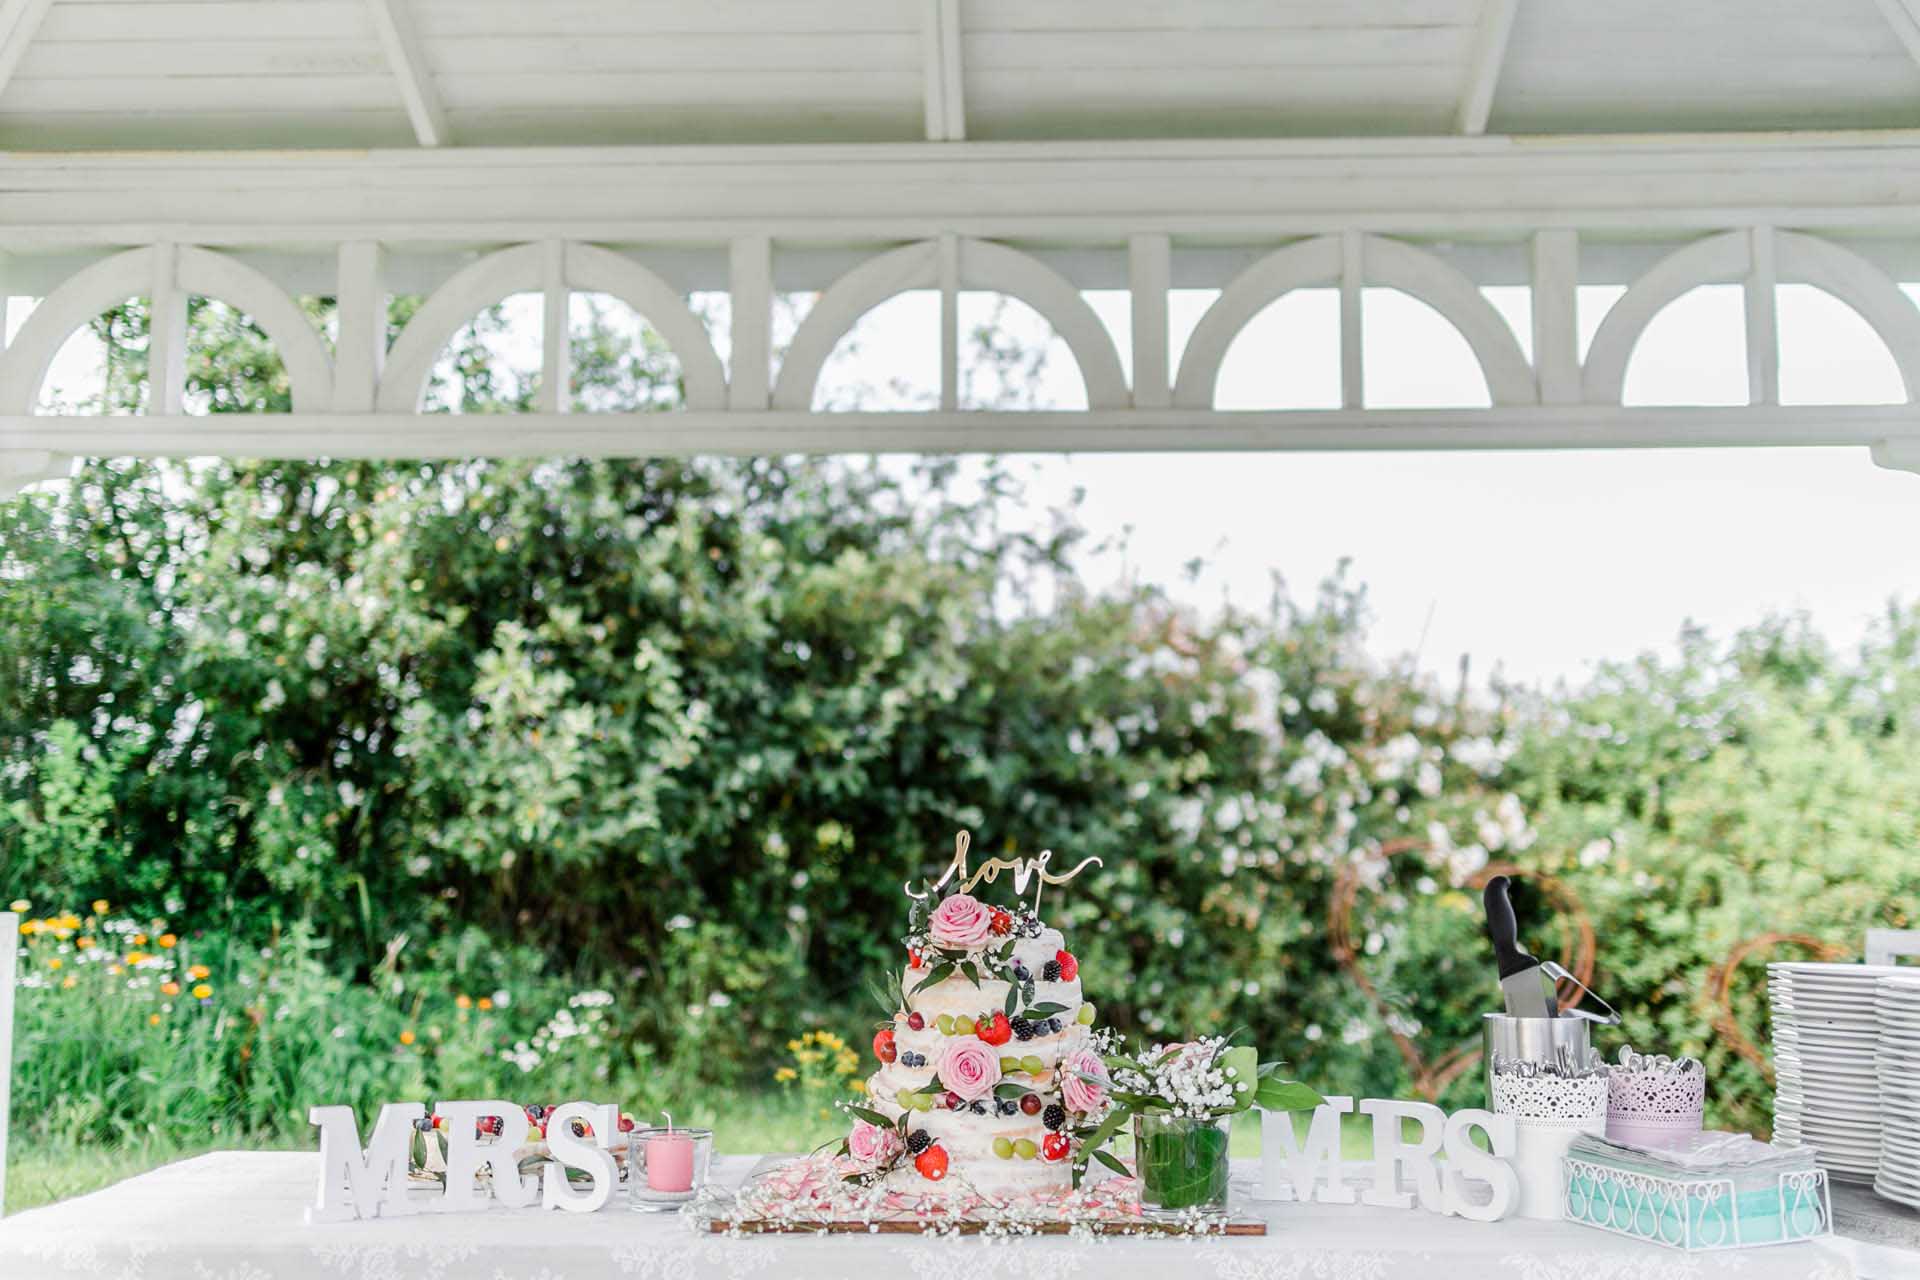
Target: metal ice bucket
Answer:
[[1563, 1045]]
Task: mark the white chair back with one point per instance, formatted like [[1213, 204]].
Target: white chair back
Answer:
[[1885, 946], [9, 959]]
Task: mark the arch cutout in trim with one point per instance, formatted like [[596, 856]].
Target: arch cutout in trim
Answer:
[[202, 272], [1727, 258], [588, 269], [1385, 263], [983, 264]]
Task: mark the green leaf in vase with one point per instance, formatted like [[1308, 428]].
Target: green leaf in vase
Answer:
[[1241, 1065], [1286, 1095]]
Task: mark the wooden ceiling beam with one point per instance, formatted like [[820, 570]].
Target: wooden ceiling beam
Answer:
[[946, 107], [401, 41], [19, 21], [1490, 38]]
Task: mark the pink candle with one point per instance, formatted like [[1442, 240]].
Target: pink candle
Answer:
[[670, 1162]]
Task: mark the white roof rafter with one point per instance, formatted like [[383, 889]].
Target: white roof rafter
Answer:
[[19, 21], [946, 97], [409, 62], [1490, 38]]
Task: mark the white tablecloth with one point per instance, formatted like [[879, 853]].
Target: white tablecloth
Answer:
[[237, 1216]]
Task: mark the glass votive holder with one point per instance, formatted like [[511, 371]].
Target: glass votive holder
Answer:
[[666, 1167]]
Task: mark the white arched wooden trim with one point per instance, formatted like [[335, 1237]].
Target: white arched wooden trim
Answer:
[[596, 270], [1805, 259], [112, 281], [1298, 265], [91, 290], [471, 289], [982, 264], [1398, 265], [986, 265], [1718, 259], [1388, 263], [309, 367], [912, 266]]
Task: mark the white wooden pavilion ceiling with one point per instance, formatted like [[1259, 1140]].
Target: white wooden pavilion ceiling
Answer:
[[340, 73]]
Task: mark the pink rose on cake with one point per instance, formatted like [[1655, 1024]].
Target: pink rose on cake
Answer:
[[1084, 1081], [960, 921], [969, 1068], [870, 1144]]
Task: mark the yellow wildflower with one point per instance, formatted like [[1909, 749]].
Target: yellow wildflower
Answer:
[[139, 939], [786, 1074], [135, 957], [202, 992], [99, 906], [858, 1086], [55, 963], [167, 941], [153, 1019], [113, 970], [19, 906], [29, 928], [69, 982]]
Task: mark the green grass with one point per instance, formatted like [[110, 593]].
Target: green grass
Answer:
[[742, 1124]]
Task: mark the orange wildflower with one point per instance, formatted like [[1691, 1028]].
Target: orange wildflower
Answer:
[[167, 941], [169, 988], [406, 1037]]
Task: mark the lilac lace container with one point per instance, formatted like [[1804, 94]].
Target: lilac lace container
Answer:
[[1654, 1103]]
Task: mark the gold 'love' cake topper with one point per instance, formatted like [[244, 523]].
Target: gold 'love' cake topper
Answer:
[[1024, 870]]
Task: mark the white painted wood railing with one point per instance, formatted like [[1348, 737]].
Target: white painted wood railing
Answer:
[[1440, 220]]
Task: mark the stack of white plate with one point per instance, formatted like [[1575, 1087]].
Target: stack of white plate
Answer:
[[1898, 1060], [1827, 1092]]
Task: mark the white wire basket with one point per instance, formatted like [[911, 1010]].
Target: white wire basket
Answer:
[[1700, 1213]]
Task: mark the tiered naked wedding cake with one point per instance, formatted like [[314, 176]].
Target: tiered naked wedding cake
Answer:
[[988, 1068]]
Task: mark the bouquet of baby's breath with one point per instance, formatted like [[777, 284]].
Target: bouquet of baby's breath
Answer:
[[1198, 1081]]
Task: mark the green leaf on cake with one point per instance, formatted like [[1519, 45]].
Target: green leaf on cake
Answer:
[[1008, 1089], [1112, 1162], [938, 974], [1043, 1010], [1013, 999], [871, 1117]]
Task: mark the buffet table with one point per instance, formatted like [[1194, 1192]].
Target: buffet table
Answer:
[[237, 1216]]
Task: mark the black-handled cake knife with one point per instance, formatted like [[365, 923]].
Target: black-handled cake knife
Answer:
[[1525, 982]]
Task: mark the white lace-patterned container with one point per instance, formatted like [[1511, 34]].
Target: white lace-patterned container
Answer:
[[1654, 1106], [1548, 1112]]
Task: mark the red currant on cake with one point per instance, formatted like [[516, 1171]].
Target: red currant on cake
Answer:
[[1055, 1146], [1030, 1103], [883, 1046], [915, 1022], [1069, 967], [932, 1163]]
